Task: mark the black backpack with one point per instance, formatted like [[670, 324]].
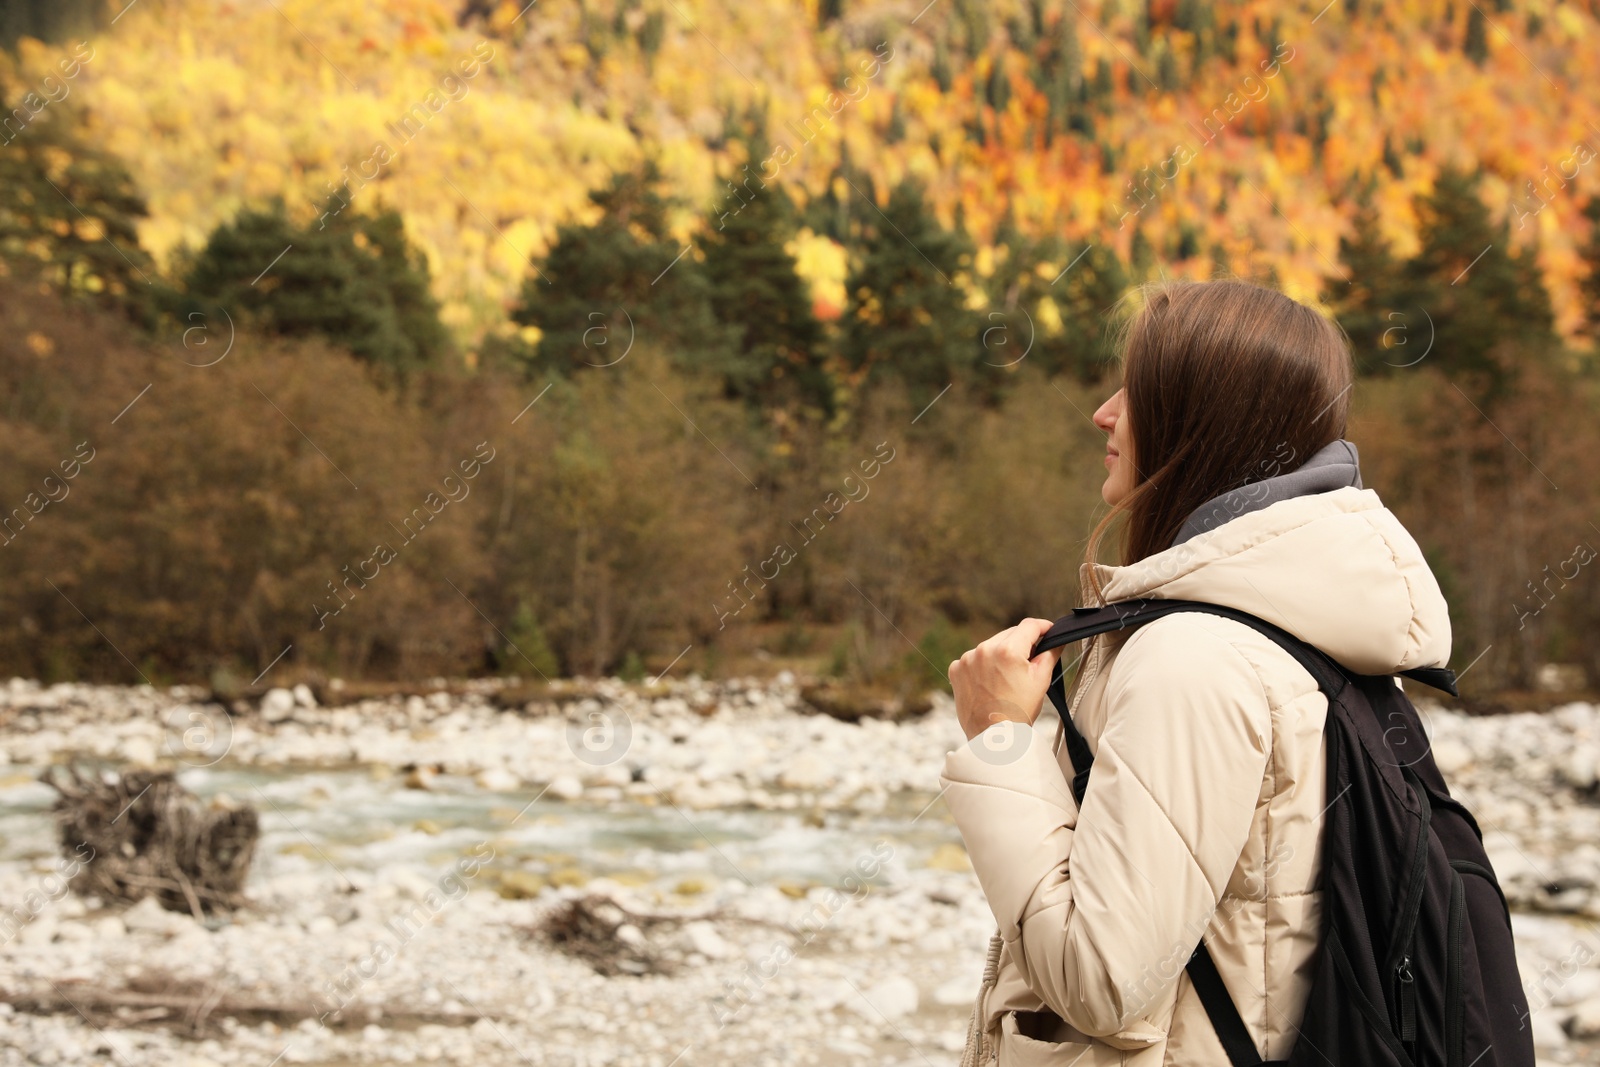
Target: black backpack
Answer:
[[1416, 965]]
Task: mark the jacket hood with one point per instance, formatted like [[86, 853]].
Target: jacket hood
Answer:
[[1334, 567]]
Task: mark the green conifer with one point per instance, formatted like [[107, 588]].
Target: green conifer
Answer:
[[755, 291], [351, 277], [620, 281], [907, 316]]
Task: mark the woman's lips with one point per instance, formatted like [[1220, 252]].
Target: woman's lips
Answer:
[[1110, 457]]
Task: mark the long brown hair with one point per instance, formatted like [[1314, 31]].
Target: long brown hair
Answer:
[[1227, 383]]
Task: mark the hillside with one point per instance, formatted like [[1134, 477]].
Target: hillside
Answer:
[[1189, 137]]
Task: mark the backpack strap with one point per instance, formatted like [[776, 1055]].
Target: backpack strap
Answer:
[[1235, 1039], [1330, 678], [1089, 622]]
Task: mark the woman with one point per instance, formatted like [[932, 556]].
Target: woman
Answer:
[[1230, 478]]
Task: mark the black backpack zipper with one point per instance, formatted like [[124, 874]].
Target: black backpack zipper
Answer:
[[1454, 996], [1406, 998], [1405, 981]]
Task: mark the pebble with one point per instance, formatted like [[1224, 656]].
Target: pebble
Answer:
[[278, 705], [1547, 1033], [497, 780], [565, 787], [703, 938], [888, 999], [1585, 1021], [1580, 767], [962, 989]]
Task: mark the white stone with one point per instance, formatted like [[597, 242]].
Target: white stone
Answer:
[[108, 928], [1580, 988], [1547, 1033], [808, 770], [889, 999], [497, 780], [1450, 755], [960, 990], [830, 993], [1574, 717], [611, 774], [140, 750], [1585, 1021], [149, 917], [1580, 767], [702, 937], [565, 787], [277, 705], [409, 883], [304, 697]]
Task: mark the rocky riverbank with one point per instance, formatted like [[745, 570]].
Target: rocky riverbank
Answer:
[[788, 887]]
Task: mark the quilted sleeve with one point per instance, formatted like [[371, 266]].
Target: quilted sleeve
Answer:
[[1100, 908]]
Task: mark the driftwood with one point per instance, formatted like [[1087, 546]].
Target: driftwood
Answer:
[[152, 837], [608, 937], [597, 929], [196, 1007]]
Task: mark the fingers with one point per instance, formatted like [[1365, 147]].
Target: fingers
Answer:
[[1015, 641], [1037, 628]]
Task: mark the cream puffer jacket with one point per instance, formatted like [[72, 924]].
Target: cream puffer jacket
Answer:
[[1204, 811]]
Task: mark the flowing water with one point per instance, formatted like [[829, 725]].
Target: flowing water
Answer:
[[355, 819]]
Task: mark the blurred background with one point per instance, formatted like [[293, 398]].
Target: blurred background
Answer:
[[570, 439]]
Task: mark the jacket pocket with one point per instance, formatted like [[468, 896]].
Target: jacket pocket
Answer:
[[1018, 1049]]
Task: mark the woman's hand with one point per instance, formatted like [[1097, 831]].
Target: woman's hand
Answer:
[[997, 681]]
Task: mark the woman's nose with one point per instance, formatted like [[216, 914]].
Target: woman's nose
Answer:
[[1105, 416]]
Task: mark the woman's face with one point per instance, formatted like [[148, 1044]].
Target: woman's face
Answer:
[[1112, 418]]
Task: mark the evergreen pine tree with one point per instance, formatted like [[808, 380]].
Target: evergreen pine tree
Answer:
[[755, 291], [1167, 69], [1141, 254], [974, 18], [1081, 282], [1193, 16], [1104, 86], [620, 281], [1590, 285], [1483, 298], [652, 31], [1066, 60], [1391, 158], [350, 277], [1085, 296], [1020, 29], [1381, 332], [895, 131], [940, 69], [1476, 45], [907, 318], [68, 214], [51, 21], [999, 85]]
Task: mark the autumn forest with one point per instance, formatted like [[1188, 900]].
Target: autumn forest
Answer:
[[585, 337]]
